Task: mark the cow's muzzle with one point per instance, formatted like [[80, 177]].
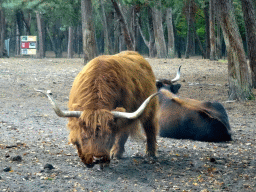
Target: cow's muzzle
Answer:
[[98, 160]]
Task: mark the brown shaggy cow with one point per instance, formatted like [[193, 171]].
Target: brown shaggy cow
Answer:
[[101, 100]]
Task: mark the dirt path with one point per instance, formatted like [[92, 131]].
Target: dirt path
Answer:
[[32, 136]]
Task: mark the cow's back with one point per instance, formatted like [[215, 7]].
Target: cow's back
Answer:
[[193, 125], [109, 81]]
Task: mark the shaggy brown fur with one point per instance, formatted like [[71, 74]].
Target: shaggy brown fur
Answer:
[[119, 82]]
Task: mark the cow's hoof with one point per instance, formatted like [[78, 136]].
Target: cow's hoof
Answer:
[[116, 155], [103, 166], [151, 159], [150, 154]]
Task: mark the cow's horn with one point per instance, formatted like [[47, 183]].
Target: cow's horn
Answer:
[[177, 76], [137, 113], [57, 109]]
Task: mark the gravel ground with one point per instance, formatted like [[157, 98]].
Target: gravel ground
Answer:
[[35, 154]]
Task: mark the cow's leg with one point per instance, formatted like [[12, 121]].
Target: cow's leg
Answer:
[[130, 127], [118, 148], [150, 126]]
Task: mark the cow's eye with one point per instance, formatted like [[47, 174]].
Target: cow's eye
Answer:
[[84, 134], [82, 123], [112, 125]]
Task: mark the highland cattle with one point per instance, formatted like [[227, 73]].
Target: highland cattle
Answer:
[[108, 100]]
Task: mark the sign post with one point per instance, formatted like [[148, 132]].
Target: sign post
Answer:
[[28, 45]]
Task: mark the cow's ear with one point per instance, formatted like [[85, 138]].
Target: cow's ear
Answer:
[[121, 109], [159, 84], [207, 104], [176, 88]]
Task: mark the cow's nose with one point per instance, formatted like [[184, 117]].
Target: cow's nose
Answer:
[[97, 160], [90, 165]]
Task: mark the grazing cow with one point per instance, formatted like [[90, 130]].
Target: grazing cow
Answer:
[[102, 102], [192, 119]]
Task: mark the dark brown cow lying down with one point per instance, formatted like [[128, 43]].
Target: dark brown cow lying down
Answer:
[[102, 102], [192, 119]]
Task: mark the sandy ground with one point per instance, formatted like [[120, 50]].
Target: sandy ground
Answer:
[[32, 136]]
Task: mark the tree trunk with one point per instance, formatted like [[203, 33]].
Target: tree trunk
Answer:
[[218, 42], [219, 38], [27, 22], [121, 41], [79, 40], [70, 42], [107, 47], [189, 31], [2, 31], [207, 30], [212, 30], [17, 40], [143, 35], [193, 29], [23, 23], [198, 40], [238, 73], [151, 42], [193, 44], [19, 19], [158, 31], [151, 47], [250, 25], [89, 42], [40, 34], [178, 45], [171, 43], [51, 39], [127, 35], [135, 28], [117, 33], [56, 39]]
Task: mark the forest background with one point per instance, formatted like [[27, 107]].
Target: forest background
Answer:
[[156, 28]]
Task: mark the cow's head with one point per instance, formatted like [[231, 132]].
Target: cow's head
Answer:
[[96, 136], [93, 131], [169, 84]]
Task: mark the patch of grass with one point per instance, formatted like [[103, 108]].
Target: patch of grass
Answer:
[[251, 97], [222, 60]]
